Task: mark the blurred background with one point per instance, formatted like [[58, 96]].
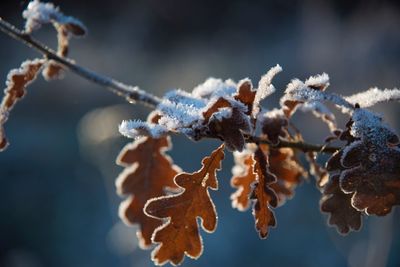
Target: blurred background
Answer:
[[58, 205]]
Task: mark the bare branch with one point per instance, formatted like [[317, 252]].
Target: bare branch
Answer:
[[130, 93]]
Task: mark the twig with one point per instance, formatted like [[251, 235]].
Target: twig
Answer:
[[305, 147], [130, 93]]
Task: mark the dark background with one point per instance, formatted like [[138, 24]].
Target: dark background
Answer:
[[58, 205]]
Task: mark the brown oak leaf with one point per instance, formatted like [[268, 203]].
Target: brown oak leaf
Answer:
[[372, 173], [228, 128], [284, 164], [246, 95], [274, 125], [242, 180], [179, 235], [148, 171], [368, 165], [17, 81], [334, 201], [264, 197], [338, 205]]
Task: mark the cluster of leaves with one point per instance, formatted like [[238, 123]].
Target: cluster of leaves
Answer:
[[361, 178]]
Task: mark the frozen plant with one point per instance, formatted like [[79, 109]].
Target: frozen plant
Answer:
[[361, 178]]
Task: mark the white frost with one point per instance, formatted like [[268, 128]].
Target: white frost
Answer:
[[37, 14], [137, 128], [213, 87], [222, 113], [374, 96], [298, 91], [320, 81], [265, 88]]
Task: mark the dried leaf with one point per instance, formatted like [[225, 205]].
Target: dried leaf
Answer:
[[284, 164], [228, 127], [148, 171], [265, 198], [220, 103], [274, 125], [243, 180], [369, 164], [179, 235], [338, 205], [373, 175], [52, 69], [37, 14], [17, 81], [246, 95]]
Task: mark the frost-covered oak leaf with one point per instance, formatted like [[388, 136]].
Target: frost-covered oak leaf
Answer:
[[38, 14], [148, 172], [334, 201], [265, 88], [369, 164], [274, 125], [264, 197], [179, 235], [230, 128], [17, 81]]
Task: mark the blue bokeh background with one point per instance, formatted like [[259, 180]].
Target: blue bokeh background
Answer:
[[58, 205]]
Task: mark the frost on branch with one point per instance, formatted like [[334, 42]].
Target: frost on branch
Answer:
[[179, 235], [309, 96], [17, 81], [216, 109], [374, 96], [265, 88], [136, 128], [38, 14]]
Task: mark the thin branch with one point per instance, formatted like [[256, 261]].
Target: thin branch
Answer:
[[130, 93], [305, 147]]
